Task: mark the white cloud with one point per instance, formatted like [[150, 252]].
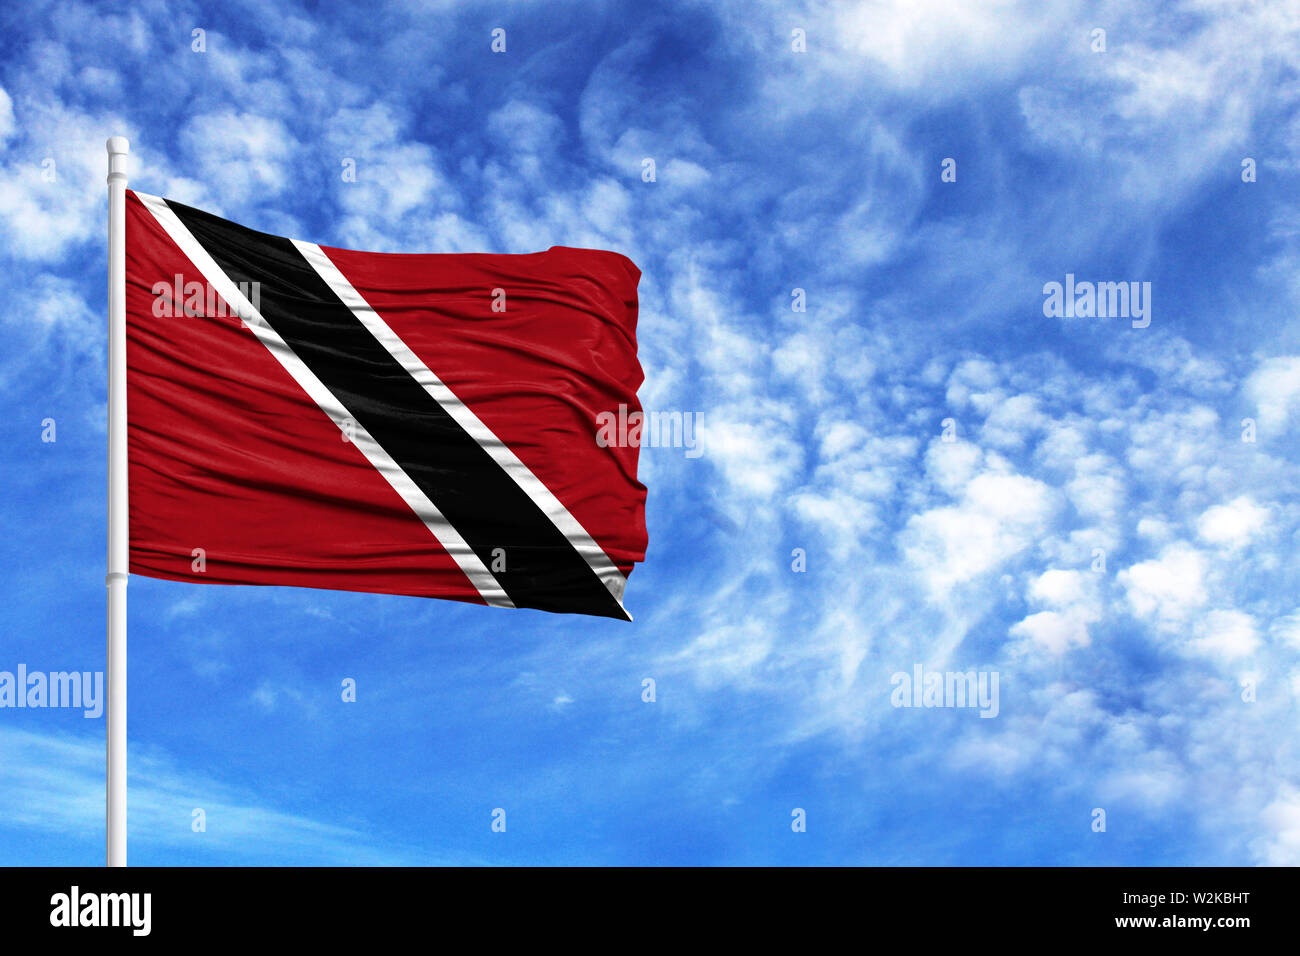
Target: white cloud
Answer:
[[1226, 635], [1233, 524], [6, 115], [999, 515], [55, 783], [951, 465], [1281, 819], [727, 653], [1071, 598], [52, 192], [1054, 631], [240, 156], [1287, 630], [1274, 387], [1059, 587], [1012, 421], [758, 461], [1170, 588], [912, 41], [526, 128]]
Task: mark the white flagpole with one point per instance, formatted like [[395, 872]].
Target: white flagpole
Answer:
[[115, 784]]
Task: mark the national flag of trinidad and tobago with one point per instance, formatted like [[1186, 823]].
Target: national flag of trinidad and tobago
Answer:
[[418, 424]]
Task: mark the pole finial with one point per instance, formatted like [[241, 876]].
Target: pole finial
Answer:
[[118, 144]]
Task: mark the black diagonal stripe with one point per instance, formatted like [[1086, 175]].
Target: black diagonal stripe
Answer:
[[471, 490]]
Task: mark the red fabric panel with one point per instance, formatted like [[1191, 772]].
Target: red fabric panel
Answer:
[[538, 373], [227, 453]]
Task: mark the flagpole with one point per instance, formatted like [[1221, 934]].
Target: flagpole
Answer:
[[115, 783]]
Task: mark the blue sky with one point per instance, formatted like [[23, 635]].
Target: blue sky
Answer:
[[1120, 688]]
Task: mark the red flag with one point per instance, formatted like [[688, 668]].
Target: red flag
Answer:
[[406, 424]]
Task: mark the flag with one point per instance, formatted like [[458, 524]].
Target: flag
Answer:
[[420, 424]]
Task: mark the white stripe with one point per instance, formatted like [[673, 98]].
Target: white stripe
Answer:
[[447, 536], [575, 533]]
